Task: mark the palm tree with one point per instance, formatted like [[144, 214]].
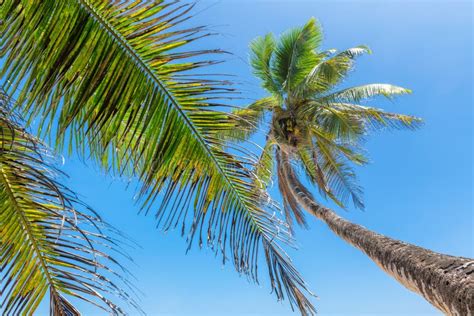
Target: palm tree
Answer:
[[319, 128], [117, 83], [51, 241]]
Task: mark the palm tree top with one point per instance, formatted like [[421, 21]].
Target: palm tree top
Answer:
[[319, 125]]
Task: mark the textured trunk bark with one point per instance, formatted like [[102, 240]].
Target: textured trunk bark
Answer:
[[445, 281]]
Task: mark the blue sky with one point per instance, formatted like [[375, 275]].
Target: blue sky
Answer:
[[418, 187]]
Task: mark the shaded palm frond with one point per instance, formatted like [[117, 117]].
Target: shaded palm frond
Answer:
[[295, 54], [351, 122], [308, 157], [336, 124], [113, 78], [247, 120], [322, 127], [51, 242], [340, 177], [376, 118], [351, 151], [263, 168], [292, 208]]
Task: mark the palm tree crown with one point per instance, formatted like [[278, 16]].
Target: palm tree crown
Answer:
[[318, 125]]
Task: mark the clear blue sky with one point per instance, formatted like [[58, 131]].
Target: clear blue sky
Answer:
[[418, 187]]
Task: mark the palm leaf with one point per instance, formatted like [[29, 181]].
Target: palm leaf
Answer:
[[114, 79], [376, 118], [263, 169], [262, 49], [358, 93], [51, 242], [351, 122], [341, 179], [332, 121], [295, 54], [330, 71]]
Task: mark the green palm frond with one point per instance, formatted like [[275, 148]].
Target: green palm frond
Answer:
[[262, 49], [263, 168], [376, 118], [358, 93], [115, 80], [51, 242], [351, 122], [329, 72], [295, 54], [340, 177], [247, 120], [323, 127], [308, 157], [347, 128], [292, 208]]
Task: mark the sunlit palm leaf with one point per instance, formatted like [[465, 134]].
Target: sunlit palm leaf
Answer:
[[356, 94], [107, 77], [51, 242], [295, 56], [329, 72], [262, 49]]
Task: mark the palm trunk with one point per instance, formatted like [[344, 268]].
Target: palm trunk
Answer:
[[445, 281]]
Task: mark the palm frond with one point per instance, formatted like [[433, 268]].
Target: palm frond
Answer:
[[340, 177], [51, 242], [344, 127], [292, 208], [355, 51], [308, 158], [263, 168], [358, 93], [329, 72], [376, 118], [247, 120], [262, 49], [107, 77], [295, 54]]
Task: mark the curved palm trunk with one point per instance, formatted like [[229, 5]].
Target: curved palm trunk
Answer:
[[445, 281]]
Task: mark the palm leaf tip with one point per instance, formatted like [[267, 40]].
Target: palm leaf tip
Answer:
[[48, 243]]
